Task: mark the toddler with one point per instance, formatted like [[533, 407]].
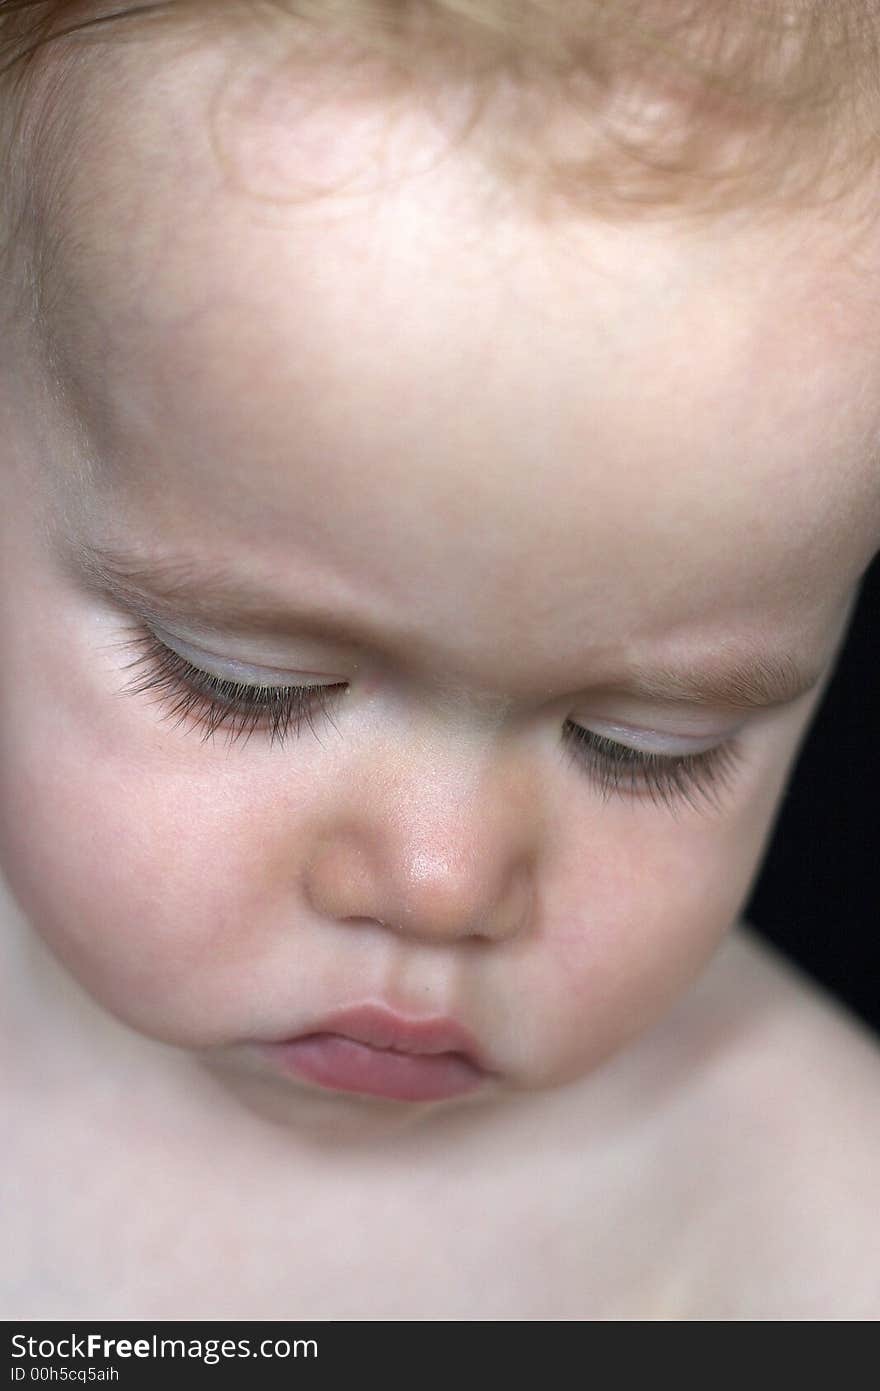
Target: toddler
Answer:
[[438, 463]]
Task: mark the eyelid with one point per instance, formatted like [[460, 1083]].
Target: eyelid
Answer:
[[212, 702], [640, 740], [231, 669], [692, 779], [661, 743]]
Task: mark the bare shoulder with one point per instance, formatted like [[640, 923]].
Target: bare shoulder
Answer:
[[789, 1128]]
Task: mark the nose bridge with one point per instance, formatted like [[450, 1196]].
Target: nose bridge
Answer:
[[437, 848]]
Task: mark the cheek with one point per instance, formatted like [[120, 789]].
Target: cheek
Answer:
[[134, 876], [642, 906]]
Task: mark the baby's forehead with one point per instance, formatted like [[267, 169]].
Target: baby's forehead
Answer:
[[686, 391]]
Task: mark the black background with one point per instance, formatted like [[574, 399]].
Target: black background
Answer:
[[817, 897]]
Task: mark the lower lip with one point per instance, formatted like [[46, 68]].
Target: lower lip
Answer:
[[342, 1064]]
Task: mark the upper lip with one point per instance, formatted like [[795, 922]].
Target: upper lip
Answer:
[[382, 1028]]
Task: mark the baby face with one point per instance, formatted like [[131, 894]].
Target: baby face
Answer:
[[542, 510]]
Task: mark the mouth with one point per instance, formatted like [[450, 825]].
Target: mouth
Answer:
[[372, 1051]]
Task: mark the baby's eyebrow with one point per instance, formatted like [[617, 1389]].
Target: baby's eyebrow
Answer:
[[172, 588], [164, 588], [753, 681]]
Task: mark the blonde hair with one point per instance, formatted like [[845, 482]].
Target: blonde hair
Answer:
[[686, 107]]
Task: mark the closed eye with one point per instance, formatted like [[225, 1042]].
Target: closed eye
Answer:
[[210, 703], [622, 771]]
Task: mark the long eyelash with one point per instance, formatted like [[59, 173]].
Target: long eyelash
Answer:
[[670, 781], [215, 703]]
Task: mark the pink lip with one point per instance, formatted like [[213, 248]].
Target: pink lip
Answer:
[[372, 1050], [381, 1028]]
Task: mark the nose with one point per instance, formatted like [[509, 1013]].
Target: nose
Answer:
[[429, 864]]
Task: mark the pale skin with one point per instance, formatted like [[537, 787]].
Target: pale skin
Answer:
[[523, 460]]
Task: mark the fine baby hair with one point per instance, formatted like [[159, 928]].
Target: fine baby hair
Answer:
[[691, 107]]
